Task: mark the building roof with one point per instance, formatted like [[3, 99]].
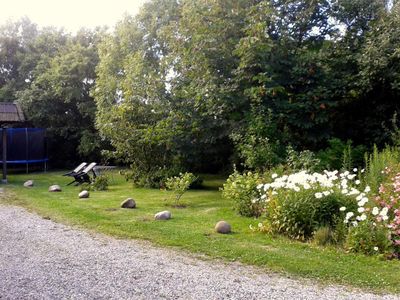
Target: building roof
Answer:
[[11, 113]]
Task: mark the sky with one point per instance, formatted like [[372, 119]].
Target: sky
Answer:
[[69, 14]]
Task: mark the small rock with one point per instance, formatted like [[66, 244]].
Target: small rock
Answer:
[[128, 203], [55, 188], [163, 215], [84, 194], [28, 183], [223, 227]]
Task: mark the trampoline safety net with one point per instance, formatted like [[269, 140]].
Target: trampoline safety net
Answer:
[[25, 145]]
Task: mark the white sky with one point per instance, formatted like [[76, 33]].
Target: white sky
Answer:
[[70, 14]]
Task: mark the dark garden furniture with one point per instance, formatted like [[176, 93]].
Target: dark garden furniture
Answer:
[[76, 170], [83, 176]]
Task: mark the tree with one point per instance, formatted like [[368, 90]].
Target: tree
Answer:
[[58, 96]]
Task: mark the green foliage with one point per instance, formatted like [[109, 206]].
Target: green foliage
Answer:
[[260, 145], [368, 239], [324, 236], [150, 178], [299, 214], [340, 155], [241, 189], [85, 187], [100, 183], [376, 163], [180, 184], [303, 160]]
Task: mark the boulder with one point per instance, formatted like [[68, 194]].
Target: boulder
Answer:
[[84, 194], [128, 203], [163, 215], [223, 227], [28, 183], [55, 188]]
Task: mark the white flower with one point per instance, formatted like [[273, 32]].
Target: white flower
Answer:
[[375, 211], [384, 218], [384, 212], [363, 217], [296, 189], [361, 209], [326, 193], [318, 195], [354, 223], [351, 177], [342, 208], [355, 170], [260, 186], [367, 189], [263, 197], [260, 225], [274, 193], [357, 182], [362, 170], [349, 215], [376, 248], [274, 175], [345, 191]]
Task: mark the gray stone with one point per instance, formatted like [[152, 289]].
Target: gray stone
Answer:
[[223, 227], [28, 183], [55, 188], [128, 203], [163, 215], [84, 194]]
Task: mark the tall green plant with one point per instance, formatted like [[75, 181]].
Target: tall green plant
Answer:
[[376, 162]]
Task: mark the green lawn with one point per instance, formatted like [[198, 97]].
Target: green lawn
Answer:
[[191, 228]]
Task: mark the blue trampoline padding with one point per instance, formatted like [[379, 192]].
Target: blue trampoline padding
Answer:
[[25, 161]]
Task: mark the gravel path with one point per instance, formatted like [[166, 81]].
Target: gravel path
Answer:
[[40, 259]]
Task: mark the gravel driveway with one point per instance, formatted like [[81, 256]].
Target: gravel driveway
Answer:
[[40, 259]]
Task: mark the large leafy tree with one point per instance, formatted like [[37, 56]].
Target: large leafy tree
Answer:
[[16, 40], [58, 95]]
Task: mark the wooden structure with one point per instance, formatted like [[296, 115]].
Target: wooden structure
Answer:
[[10, 115]]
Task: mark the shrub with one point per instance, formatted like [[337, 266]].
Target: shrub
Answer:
[[303, 160], [260, 144], [100, 183], [180, 184], [299, 204], [153, 178], [341, 155], [375, 164], [242, 190], [368, 238]]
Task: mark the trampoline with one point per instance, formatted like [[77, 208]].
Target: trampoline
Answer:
[[26, 146]]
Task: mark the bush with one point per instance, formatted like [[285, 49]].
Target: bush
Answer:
[[153, 178], [376, 163], [299, 204], [303, 160], [180, 184], [100, 183], [340, 155], [260, 144], [242, 190], [368, 238]]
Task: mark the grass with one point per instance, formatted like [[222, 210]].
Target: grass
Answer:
[[192, 229]]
